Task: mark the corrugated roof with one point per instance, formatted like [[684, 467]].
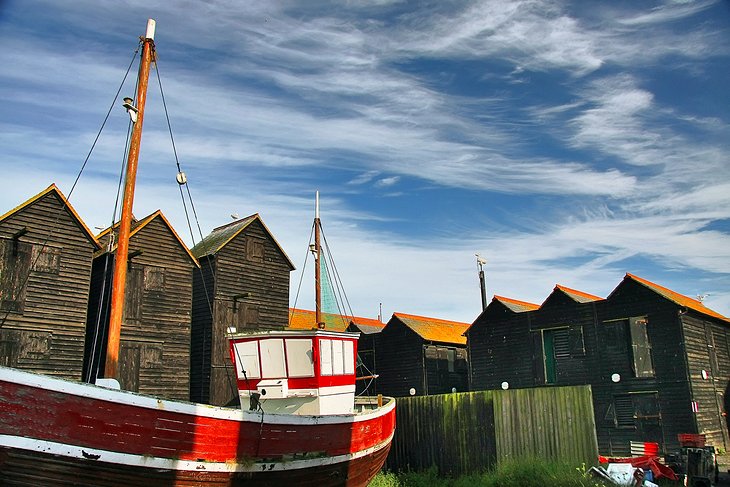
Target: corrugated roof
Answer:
[[677, 298], [515, 305], [54, 189], [301, 319], [220, 236], [434, 329], [577, 296]]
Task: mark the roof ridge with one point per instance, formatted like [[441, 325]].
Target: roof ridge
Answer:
[[428, 318], [576, 291], [516, 301]]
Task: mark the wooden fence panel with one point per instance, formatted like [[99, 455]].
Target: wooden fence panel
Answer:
[[555, 423], [471, 432], [455, 432]]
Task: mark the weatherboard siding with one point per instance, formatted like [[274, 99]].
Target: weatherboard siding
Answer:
[[154, 356], [660, 404], [47, 335], [236, 283]]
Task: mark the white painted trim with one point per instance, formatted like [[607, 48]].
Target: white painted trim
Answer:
[[105, 456], [82, 389]]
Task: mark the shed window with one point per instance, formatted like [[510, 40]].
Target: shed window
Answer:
[[134, 292], [624, 410], [154, 278], [641, 349], [632, 410], [247, 316], [46, 259], [15, 260], [255, 250]]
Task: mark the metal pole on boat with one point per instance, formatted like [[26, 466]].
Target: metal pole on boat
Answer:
[[111, 368], [317, 269]]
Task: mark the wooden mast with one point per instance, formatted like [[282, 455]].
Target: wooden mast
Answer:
[[317, 268], [111, 368]]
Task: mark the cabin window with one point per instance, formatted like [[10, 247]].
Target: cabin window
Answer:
[[254, 250], [247, 355], [337, 357], [349, 356], [15, 260], [299, 357], [325, 357], [272, 358], [46, 259]]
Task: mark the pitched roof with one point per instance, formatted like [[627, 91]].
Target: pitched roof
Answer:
[[220, 236], [675, 297], [138, 225], [54, 189], [515, 305], [434, 329], [577, 296], [302, 319]]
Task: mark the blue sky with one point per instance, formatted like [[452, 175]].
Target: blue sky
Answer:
[[566, 142]]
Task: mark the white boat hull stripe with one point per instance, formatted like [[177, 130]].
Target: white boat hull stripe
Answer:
[[145, 461]]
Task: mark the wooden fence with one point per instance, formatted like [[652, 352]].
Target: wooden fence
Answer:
[[473, 431]]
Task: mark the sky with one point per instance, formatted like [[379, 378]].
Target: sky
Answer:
[[564, 142]]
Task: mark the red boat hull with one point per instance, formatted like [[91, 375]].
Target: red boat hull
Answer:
[[55, 432]]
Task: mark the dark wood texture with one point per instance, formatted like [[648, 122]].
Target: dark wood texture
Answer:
[[405, 360], [244, 284], [44, 286], [655, 348], [468, 433], [154, 353]]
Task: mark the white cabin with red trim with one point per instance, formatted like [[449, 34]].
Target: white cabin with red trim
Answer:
[[307, 372]]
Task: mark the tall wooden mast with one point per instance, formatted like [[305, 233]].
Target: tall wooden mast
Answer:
[[111, 369], [317, 267]]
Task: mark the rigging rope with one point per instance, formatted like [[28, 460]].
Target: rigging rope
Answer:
[[73, 186]]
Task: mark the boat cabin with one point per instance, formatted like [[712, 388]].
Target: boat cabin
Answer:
[[308, 372]]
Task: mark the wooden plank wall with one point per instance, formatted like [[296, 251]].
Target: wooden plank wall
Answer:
[[471, 432], [47, 334]]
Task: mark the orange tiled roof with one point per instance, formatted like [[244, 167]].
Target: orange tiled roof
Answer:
[[677, 298], [302, 319], [578, 296], [434, 329], [516, 305]]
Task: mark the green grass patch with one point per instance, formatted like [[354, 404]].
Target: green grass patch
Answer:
[[522, 473]]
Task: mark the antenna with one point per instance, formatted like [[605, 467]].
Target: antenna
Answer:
[[481, 261]]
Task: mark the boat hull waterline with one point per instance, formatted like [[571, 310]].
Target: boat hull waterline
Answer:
[[62, 431]]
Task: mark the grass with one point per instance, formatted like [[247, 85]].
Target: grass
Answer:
[[523, 473]]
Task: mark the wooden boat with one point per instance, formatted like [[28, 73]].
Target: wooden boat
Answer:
[[300, 423]]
